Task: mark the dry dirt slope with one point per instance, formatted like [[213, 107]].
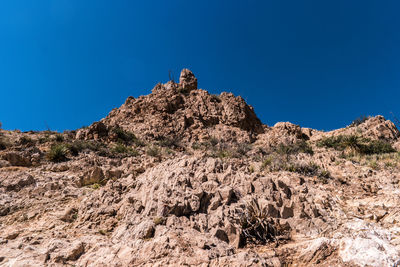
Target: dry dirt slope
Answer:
[[182, 177]]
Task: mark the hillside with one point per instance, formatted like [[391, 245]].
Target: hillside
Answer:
[[183, 177]]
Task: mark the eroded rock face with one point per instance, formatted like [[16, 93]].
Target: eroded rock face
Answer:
[[173, 111], [283, 133]]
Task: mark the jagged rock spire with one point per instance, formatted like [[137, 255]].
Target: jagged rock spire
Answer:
[[187, 80]]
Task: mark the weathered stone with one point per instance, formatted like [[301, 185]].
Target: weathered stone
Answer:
[[187, 80]]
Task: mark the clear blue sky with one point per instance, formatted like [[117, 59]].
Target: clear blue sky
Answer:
[[320, 64]]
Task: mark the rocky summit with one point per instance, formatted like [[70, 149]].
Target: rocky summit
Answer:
[[181, 177]]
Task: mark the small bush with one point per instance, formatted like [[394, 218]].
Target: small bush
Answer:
[[309, 169], [59, 138], [153, 151], [213, 141], [251, 169], [159, 220], [267, 162], [216, 98], [26, 140], [58, 153], [221, 154], [43, 140], [3, 143], [124, 136], [95, 186], [374, 165], [196, 146], [257, 226], [122, 149], [299, 147], [241, 149], [334, 142], [76, 147], [359, 120], [170, 142]]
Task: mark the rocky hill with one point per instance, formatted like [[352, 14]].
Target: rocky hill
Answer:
[[183, 177]]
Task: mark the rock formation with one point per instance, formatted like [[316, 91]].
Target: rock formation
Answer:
[[182, 177]]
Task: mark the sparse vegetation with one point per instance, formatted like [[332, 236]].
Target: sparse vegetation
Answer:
[[26, 140], [59, 138], [122, 135], [58, 153], [251, 169], [280, 163], [221, 149], [3, 143], [196, 146], [123, 149], [213, 141], [43, 140], [359, 120], [299, 147], [153, 151], [257, 226], [356, 144], [159, 220], [172, 142], [95, 186], [126, 137], [375, 161]]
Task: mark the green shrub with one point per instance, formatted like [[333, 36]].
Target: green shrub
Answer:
[[196, 145], [282, 163], [241, 149], [298, 147], [221, 154], [43, 140], [159, 220], [59, 138], [3, 143], [123, 136], [95, 186], [153, 151], [357, 144], [378, 147], [172, 142], [267, 162], [76, 147], [213, 141], [122, 149], [58, 153], [26, 140]]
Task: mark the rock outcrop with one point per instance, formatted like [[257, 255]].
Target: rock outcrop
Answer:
[[182, 111], [182, 177]]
